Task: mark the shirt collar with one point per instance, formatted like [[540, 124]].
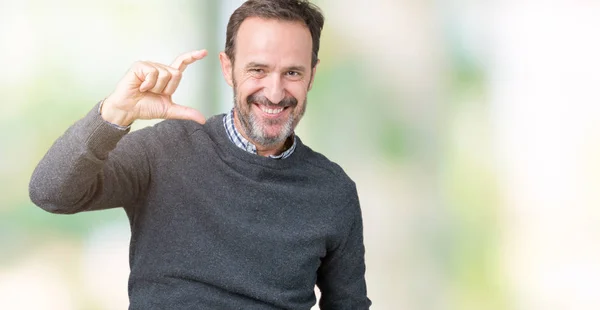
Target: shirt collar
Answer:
[[236, 137]]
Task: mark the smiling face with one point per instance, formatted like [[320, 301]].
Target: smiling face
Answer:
[[271, 77]]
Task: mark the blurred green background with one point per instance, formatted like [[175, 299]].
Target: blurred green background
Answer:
[[470, 127]]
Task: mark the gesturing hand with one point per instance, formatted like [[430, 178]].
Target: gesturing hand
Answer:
[[145, 93]]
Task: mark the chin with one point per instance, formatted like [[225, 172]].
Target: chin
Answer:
[[271, 139]]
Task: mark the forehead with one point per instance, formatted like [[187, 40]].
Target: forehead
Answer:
[[271, 40]]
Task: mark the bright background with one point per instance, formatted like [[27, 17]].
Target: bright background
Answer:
[[472, 129]]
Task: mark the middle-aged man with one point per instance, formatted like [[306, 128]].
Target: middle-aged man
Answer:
[[232, 213]]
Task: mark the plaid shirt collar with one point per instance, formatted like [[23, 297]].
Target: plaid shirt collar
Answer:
[[241, 142]]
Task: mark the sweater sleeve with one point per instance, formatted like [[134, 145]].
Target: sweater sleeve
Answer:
[[92, 166], [341, 276]]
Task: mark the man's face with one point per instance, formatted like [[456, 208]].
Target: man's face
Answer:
[[271, 77]]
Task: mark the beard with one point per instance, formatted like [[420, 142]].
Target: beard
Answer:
[[257, 128]]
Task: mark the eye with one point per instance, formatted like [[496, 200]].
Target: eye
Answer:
[[257, 73], [294, 75]]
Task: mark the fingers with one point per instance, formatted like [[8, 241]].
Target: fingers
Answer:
[[150, 79], [158, 78], [188, 58], [173, 83], [161, 79], [176, 111]]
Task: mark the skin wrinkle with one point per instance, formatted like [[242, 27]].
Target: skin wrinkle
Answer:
[[252, 126], [270, 70], [226, 225]]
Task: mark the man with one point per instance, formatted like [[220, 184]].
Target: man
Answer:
[[230, 213]]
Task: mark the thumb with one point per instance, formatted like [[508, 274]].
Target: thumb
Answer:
[[176, 111]]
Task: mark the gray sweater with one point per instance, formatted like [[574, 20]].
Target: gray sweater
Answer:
[[212, 226]]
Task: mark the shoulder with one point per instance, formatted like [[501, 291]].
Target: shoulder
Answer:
[[331, 174], [336, 191], [179, 127], [320, 162], [171, 132]]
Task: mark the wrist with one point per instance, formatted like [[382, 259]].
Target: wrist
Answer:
[[114, 116]]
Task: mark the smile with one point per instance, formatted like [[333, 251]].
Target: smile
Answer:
[[270, 111]]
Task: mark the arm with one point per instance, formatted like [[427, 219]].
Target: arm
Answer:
[[86, 169], [77, 173], [341, 277]]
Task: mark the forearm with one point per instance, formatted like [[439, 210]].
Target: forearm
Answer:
[[74, 175]]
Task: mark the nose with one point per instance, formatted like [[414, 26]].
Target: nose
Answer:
[[274, 90]]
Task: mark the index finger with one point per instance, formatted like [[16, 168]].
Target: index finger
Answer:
[[184, 60]]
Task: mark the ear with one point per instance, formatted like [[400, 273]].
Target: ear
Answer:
[[313, 73], [226, 68]]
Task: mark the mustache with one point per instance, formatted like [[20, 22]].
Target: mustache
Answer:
[[262, 100]]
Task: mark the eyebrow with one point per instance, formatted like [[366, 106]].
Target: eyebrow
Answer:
[[261, 65], [296, 68], [255, 65]]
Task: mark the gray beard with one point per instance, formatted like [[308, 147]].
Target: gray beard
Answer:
[[255, 130], [252, 125]]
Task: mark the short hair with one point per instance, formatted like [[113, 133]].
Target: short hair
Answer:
[[286, 10]]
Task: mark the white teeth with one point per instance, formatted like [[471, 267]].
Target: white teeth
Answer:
[[271, 111]]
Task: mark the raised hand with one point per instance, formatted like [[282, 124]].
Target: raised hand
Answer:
[[145, 93]]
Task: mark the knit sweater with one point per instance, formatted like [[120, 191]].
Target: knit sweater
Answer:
[[212, 226]]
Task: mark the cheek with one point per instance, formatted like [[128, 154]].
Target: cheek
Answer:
[[299, 92], [247, 88]]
